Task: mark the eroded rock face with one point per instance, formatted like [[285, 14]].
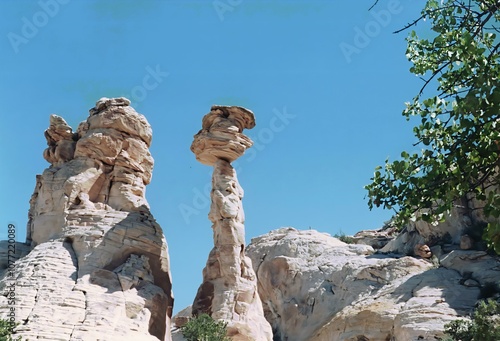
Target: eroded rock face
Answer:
[[229, 288], [375, 238], [466, 217], [315, 287], [99, 265]]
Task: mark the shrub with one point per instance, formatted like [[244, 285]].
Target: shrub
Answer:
[[6, 331], [344, 238], [484, 326], [204, 328]]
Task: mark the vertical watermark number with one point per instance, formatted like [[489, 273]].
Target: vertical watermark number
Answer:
[[11, 286]]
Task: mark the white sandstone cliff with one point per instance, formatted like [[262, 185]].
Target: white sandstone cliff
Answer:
[[317, 288]]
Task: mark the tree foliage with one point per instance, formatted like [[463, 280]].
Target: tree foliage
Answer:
[[484, 326], [458, 128], [204, 328]]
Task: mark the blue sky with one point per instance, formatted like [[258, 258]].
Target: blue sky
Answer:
[[327, 81]]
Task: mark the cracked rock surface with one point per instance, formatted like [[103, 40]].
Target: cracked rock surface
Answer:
[[316, 288], [95, 265]]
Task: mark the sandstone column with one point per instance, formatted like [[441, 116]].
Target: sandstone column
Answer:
[[98, 266], [229, 289]]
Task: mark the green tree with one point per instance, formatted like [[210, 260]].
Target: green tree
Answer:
[[484, 326], [459, 124], [204, 328]]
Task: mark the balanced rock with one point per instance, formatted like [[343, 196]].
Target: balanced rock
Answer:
[[98, 266], [221, 135], [229, 288]]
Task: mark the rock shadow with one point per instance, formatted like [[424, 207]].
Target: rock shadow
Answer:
[[436, 287], [135, 235]]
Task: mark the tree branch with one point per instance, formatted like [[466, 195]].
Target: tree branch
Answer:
[[376, 2]]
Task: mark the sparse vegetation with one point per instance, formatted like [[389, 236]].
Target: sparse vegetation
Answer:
[[344, 238], [6, 331], [204, 328], [484, 326]]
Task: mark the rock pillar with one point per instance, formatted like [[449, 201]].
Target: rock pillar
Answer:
[[229, 288], [98, 265]]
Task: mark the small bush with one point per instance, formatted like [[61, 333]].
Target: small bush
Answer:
[[344, 238], [484, 326], [6, 331], [204, 328]]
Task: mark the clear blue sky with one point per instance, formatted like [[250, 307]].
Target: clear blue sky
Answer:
[[327, 81]]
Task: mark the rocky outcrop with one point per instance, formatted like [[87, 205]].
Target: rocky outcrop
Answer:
[[462, 227], [98, 267], [229, 288], [375, 238], [315, 287]]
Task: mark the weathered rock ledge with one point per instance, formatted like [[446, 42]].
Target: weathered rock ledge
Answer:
[[315, 287]]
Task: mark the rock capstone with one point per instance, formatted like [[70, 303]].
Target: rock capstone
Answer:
[[221, 135]]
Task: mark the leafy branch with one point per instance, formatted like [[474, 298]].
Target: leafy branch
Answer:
[[459, 130]]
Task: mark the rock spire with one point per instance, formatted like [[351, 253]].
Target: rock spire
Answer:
[[229, 288], [98, 265]]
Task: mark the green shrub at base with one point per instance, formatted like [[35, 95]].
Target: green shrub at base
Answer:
[[484, 326], [6, 331], [204, 328]]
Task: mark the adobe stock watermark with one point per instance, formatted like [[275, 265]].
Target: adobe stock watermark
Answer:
[[363, 36], [223, 6], [265, 136], [31, 26], [151, 80], [10, 287]]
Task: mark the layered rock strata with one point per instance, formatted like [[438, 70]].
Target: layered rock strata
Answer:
[[316, 288], [229, 288], [99, 266]]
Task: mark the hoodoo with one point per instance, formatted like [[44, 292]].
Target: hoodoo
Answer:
[[229, 288]]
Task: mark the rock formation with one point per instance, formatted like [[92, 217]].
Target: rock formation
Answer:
[[317, 288], [98, 267], [229, 289], [461, 228]]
